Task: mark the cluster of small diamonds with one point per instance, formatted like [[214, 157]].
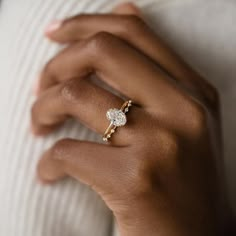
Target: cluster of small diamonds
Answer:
[[117, 118]]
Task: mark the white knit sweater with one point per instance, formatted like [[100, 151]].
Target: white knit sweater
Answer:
[[201, 31]]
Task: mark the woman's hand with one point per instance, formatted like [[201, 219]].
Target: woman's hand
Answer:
[[158, 174]]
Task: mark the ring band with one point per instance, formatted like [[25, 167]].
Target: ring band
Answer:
[[117, 118]]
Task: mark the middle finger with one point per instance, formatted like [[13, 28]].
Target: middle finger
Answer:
[[122, 67]]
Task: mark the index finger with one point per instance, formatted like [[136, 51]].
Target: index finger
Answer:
[[136, 32]]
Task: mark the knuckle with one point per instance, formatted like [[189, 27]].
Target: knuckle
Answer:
[[165, 145], [132, 24], [198, 118], [59, 149], [100, 42], [137, 175], [75, 92], [141, 169], [69, 92], [138, 169]]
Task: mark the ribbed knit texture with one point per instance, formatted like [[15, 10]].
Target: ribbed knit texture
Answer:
[[70, 208]]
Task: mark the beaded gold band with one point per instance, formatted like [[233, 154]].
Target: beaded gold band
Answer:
[[117, 118]]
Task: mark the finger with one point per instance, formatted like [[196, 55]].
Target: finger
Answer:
[[81, 100], [115, 62], [127, 8], [133, 30], [96, 165]]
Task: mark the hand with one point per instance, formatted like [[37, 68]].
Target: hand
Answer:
[[158, 174]]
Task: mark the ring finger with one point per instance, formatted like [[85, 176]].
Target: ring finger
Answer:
[[80, 99]]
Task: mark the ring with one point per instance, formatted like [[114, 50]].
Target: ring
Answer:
[[117, 118]]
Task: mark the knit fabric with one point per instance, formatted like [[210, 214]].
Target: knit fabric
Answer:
[[201, 31]]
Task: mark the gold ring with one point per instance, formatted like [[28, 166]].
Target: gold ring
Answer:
[[117, 118]]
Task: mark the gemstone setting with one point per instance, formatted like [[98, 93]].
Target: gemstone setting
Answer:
[[116, 117]]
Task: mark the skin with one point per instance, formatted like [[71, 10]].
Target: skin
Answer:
[[161, 173]]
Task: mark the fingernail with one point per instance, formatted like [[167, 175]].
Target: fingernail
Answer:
[[55, 25]]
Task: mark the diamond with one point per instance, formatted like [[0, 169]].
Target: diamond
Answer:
[[116, 117]]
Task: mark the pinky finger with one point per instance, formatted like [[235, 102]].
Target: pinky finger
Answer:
[[94, 164]]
